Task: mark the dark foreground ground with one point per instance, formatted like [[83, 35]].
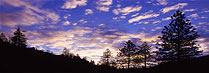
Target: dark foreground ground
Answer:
[[30, 60]]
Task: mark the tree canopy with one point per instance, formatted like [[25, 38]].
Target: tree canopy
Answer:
[[178, 40]]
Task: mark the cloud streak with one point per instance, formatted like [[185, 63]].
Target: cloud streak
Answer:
[[82, 40], [104, 5], [127, 10], [141, 17], [28, 15], [175, 7], [70, 4]]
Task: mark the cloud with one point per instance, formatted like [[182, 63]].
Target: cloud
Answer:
[[167, 18], [104, 5], [103, 8], [86, 41], [203, 23], [27, 15], [60, 39], [33, 34], [12, 19], [102, 25], [146, 15], [66, 23], [204, 43], [70, 4], [119, 18], [88, 11], [76, 40], [189, 10], [66, 16], [149, 22], [126, 10], [175, 7], [48, 26], [135, 15], [206, 11], [79, 22], [150, 39], [160, 2], [145, 22], [157, 28], [195, 15], [104, 2], [82, 21]]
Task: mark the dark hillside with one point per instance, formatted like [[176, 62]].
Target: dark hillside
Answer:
[[15, 60], [29, 60], [196, 65]]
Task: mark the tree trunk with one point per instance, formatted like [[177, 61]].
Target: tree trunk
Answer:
[[145, 61], [107, 62], [128, 62]]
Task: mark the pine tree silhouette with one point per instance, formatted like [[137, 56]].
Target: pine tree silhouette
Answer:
[[106, 59], [178, 40], [19, 38], [128, 51], [3, 38], [66, 52], [144, 50]]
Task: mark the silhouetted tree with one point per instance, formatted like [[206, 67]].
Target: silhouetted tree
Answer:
[[144, 51], [128, 51], [92, 62], [19, 38], [66, 52], [178, 40], [120, 60], [106, 58], [3, 38]]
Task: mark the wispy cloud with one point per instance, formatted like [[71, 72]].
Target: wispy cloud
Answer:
[[88, 11], [204, 43], [66, 23], [161, 2], [149, 22], [195, 15], [29, 14], [104, 5], [175, 7], [146, 15], [102, 25], [189, 10], [83, 40], [127, 10], [70, 4], [203, 23], [167, 18]]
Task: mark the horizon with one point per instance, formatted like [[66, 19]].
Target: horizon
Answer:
[[88, 27]]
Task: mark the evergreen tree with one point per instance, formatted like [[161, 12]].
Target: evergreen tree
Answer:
[[3, 38], [128, 51], [19, 38], [66, 52], [144, 51], [178, 40], [120, 60], [106, 58]]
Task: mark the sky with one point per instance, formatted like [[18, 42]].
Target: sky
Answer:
[[88, 27]]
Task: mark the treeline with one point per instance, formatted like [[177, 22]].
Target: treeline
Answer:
[[177, 44], [16, 57]]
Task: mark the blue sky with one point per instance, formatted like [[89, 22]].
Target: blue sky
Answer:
[[88, 27]]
